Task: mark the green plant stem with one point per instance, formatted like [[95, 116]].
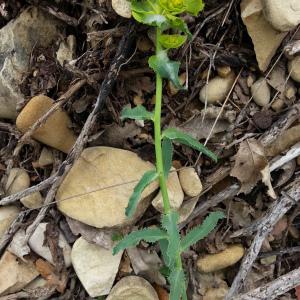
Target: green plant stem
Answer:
[[157, 135]]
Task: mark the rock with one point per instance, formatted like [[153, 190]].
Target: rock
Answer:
[[282, 15], [278, 105], [95, 267], [122, 8], [46, 157], [261, 92], [34, 200], [187, 208], [55, 132], [190, 182], [265, 38], [36, 243], [7, 216], [104, 170], [217, 89], [294, 68], [17, 181], [214, 262], [133, 288], [33, 28], [216, 293], [174, 191], [66, 51], [15, 273]]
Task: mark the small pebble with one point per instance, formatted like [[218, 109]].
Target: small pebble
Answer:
[[215, 262], [34, 200], [190, 182], [278, 105], [17, 181], [122, 8], [294, 68], [133, 288], [224, 71], [261, 92], [46, 158], [217, 89]]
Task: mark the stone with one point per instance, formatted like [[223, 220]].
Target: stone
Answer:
[[96, 190], [215, 262], [17, 181], [174, 191], [294, 68], [95, 267], [265, 38], [32, 201], [36, 243], [46, 158], [217, 89], [261, 92], [32, 28], [133, 288], [190, 182], [282, 15], [122, 8], [67, 50], [7, 215], [216, 293], [278, 105], [15, 273], [55, 132]]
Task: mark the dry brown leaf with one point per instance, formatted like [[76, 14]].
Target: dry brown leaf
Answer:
[[251, 165], [18, 245], [47, 271], [101, 237]]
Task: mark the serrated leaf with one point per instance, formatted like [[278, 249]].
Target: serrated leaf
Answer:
[[173, 6], [169, 223], [147, 178], [137, 113], [194, 6], [177, 283], [172, 41], [163, 245], [186, 139], [167, 151], [201, 231], [150, 235], [165, 67]]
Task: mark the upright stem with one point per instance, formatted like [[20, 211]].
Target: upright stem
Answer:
[[157, 135]]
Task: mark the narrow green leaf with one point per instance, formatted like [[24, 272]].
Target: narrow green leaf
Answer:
[[150, 235], [165, 67], [167, 151], [147, 178], [137, 113], [186, 139], [201, 231], [177, 283], [194, 6], [169, 223], [163, 245], [172, 41]]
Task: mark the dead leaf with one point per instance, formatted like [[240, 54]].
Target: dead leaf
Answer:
[[266, 179], [93, 235], [297, 292], [146, 263], [18, 245], [116, 136], [47, 271], [251, 165], [161, 292], [200, 130]]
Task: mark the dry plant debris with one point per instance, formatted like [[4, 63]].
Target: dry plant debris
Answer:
[[68, 163]]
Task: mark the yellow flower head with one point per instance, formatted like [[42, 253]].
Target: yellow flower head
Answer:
[[173, 6]]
